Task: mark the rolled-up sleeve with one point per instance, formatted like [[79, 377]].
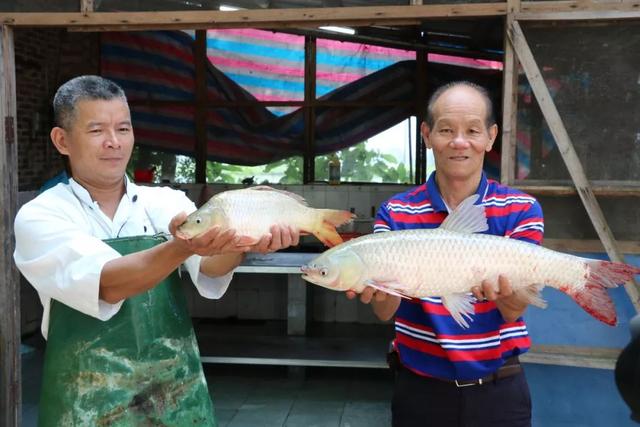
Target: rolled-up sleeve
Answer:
[[208, 287]]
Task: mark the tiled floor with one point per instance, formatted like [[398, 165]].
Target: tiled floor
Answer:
[[269, 396]]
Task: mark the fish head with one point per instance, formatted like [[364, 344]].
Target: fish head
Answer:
[[337, 270], [205, 218]]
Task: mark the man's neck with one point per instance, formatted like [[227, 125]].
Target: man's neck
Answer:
[[107, 196], [454, 191]]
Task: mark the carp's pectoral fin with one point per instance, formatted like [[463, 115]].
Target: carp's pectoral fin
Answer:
[[392, 288], [531, 295], [467, 217], [460, 306]]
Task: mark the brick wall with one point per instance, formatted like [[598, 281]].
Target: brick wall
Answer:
[[45, 58]]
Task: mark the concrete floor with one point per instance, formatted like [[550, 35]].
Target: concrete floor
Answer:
[[266, 396]]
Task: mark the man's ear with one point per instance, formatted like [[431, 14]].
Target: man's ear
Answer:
[[59, 139], [493, 133], [425, 132]]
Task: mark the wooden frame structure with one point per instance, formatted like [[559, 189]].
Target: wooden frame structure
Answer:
[[516, 51]]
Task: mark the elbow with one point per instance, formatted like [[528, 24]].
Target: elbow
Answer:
[[109, 296]]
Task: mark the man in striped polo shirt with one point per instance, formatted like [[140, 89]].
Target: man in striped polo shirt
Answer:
[[447, 375]]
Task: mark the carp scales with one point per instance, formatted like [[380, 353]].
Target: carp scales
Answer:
[[252, 212], [448, 261]]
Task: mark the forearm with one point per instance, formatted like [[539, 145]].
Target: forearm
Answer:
[[386, 308], [219, 265], [135, 273]]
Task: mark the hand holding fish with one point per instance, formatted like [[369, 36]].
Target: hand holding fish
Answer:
[[210, 242], [510, 304], [279, 237]]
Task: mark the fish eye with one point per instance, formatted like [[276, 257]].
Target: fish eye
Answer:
[[198, 220], [323, 272]]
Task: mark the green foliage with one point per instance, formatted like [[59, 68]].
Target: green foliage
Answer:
[[358, 164]]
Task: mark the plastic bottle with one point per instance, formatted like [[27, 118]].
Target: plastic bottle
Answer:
[[334, 170]]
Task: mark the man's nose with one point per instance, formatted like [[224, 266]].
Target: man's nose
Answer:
[[459, 140], [112, 140]]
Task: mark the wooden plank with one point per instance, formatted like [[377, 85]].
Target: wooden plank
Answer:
[[583, 357], [200, 58], [257, 18], [10, 390], [591, 246], [567, 190], [569, 155], [509, 103], [422, 60]]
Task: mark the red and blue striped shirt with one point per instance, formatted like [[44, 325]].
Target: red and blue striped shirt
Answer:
[[428, 340]]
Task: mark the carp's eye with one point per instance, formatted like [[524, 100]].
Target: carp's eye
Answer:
[[323, 272], [198, 221]]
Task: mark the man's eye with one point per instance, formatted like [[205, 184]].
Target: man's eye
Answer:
[[446, 130], [124, 130]]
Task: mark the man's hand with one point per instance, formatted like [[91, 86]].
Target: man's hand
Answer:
[[280, 237], [384, 305], [511, 306], [211, 242]]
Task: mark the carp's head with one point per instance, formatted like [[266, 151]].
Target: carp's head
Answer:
[[205, 218], [339, 270]]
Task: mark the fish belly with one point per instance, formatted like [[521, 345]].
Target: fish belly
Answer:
[[439, 262]]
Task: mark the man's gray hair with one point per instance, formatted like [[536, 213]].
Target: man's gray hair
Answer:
[[81, 89], [490, 119]]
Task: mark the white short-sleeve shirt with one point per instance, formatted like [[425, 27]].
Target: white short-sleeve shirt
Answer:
[[59, 247]]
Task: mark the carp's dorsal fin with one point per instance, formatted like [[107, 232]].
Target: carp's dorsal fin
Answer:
[[467, 217], [298, 198]]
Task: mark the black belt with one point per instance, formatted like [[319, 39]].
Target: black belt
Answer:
[[511, 367]]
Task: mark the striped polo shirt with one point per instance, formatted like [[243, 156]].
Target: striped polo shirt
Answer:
[[428, 340]]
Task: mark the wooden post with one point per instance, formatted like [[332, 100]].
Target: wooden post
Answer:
[[200, 105], [421, 112], [583, 186], [309, 161], [10, 391], [509, 102], [86, 7]]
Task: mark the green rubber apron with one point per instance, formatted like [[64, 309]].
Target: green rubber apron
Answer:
[[140, 368]]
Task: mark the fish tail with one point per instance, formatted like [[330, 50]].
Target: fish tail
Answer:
[[326, 228], [593, 296]]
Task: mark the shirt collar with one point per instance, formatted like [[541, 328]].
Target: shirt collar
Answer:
[[131, 191], [437, 202]]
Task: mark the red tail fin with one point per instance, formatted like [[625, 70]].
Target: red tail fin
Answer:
[[331, 219], [593, 297]]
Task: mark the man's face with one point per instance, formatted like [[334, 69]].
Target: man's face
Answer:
[[459, 137], [99, 141]]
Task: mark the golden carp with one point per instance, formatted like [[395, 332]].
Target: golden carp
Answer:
[[447, 262], [252, 211]]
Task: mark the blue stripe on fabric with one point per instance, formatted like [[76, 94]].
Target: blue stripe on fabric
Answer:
[[157, 90], [272, 83]]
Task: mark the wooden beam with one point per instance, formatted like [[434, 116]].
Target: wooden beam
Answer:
[[256, 18], [589, 246], [200, 104], [565, 146], [570, 190], [10, 391], [422, 61], [576, 8], [579, 16], [309, 159], [509, 102]]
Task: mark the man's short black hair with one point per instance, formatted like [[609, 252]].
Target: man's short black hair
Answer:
[[490, 120], [80, 89]]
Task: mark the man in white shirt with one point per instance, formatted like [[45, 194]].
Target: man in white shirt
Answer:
[[119, 337]]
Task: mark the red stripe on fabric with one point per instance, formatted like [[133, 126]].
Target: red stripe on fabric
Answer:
[[506, 210], [535, 235], [435, 308], [419, 218], [127, 71], [422, 346], [150, 44]]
